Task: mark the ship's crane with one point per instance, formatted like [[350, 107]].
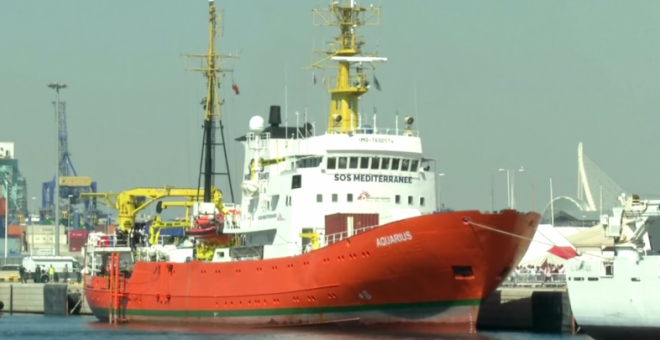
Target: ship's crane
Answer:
[[130, 202], [71, 185], [254, 166]]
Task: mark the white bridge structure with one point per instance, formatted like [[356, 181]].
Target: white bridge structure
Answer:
[[596, 191]]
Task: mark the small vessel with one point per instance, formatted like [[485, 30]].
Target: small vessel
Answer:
[[337, 228], [614, 290]]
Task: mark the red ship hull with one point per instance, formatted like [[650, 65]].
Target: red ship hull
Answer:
[[422, 274]]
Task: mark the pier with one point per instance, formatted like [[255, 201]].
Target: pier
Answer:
[[529, 303], [40, 298]]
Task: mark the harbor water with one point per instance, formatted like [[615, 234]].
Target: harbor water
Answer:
[[38, 327]]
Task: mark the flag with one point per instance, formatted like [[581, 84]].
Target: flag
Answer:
[[235, 88], [313, 78], [376, 83]]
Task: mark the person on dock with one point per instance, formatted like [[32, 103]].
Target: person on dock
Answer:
[[65, 273], [37, 274], [21, 273], [51, 274]]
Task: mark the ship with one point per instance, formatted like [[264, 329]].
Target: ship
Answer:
[[614, 288], [333, 229]]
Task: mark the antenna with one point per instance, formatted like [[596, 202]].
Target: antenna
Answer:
[[286, 99], [415, 100], [344, 55], [211, 67]]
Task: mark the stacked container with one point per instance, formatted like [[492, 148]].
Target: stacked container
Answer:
[[77, 239]]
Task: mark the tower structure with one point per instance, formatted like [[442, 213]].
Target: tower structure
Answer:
[[212, 70], [345, 55]]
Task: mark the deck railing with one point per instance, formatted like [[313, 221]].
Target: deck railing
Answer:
[[337, 237], [526, 280]]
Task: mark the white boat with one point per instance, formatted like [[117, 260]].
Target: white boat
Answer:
[[614, 291]]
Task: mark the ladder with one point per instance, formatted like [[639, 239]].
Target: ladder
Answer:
[[116, 279]]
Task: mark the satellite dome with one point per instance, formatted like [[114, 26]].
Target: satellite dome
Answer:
[[256, 123]]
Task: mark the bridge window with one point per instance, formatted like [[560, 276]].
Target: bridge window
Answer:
[[414, 164], [607, 269], [404, 164], [364, 163], [410, 200], [349, 197], [332, 163], [319, 198], [395, 164], [273, 202], [350, 104], [342, 163], [375, 163], [311, 162], [385, 164], [397, 199], [335, 198], [421, 201], [296, 181], [353, 162]]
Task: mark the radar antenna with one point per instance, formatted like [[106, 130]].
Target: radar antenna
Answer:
[[345, 53]]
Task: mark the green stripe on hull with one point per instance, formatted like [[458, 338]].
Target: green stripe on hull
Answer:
[[286, 311]]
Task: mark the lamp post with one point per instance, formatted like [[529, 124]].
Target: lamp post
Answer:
[[56, 195], [439, 205], [508, 187], [32, 228], [513, 192], [68, 215], [6, 223]]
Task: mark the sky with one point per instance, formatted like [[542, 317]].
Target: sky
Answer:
[[498, 84]]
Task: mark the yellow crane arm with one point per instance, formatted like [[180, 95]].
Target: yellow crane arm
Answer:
[[314, 237], [263, 163], [128, 205]]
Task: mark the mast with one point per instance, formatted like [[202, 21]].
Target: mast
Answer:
[[211, 62], [345, 53]]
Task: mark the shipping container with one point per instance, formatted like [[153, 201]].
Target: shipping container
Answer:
[[3, 207], [75, 181], [77, 234], [15, 230], [43, 251], [76, 244], [42, 239], [338, 223], [13, 246], [42, 229]]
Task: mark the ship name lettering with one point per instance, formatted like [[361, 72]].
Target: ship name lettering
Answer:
[[269, 216], [261, 176], [380, 140], [394, 238], [372, 178]]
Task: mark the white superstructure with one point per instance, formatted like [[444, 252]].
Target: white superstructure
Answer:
[[615, 290], [291, 184]]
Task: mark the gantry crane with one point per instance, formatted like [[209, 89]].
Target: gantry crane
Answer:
[[71, 185]]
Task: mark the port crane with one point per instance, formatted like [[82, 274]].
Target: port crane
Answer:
[[71, 185]]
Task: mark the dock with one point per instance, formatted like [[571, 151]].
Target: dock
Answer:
[[40, 298], [529, 303], [526, 303]]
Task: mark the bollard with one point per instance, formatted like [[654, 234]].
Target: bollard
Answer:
[[11, 299]]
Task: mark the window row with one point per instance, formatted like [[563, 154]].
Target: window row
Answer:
[[349, 198], [373, 163]]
